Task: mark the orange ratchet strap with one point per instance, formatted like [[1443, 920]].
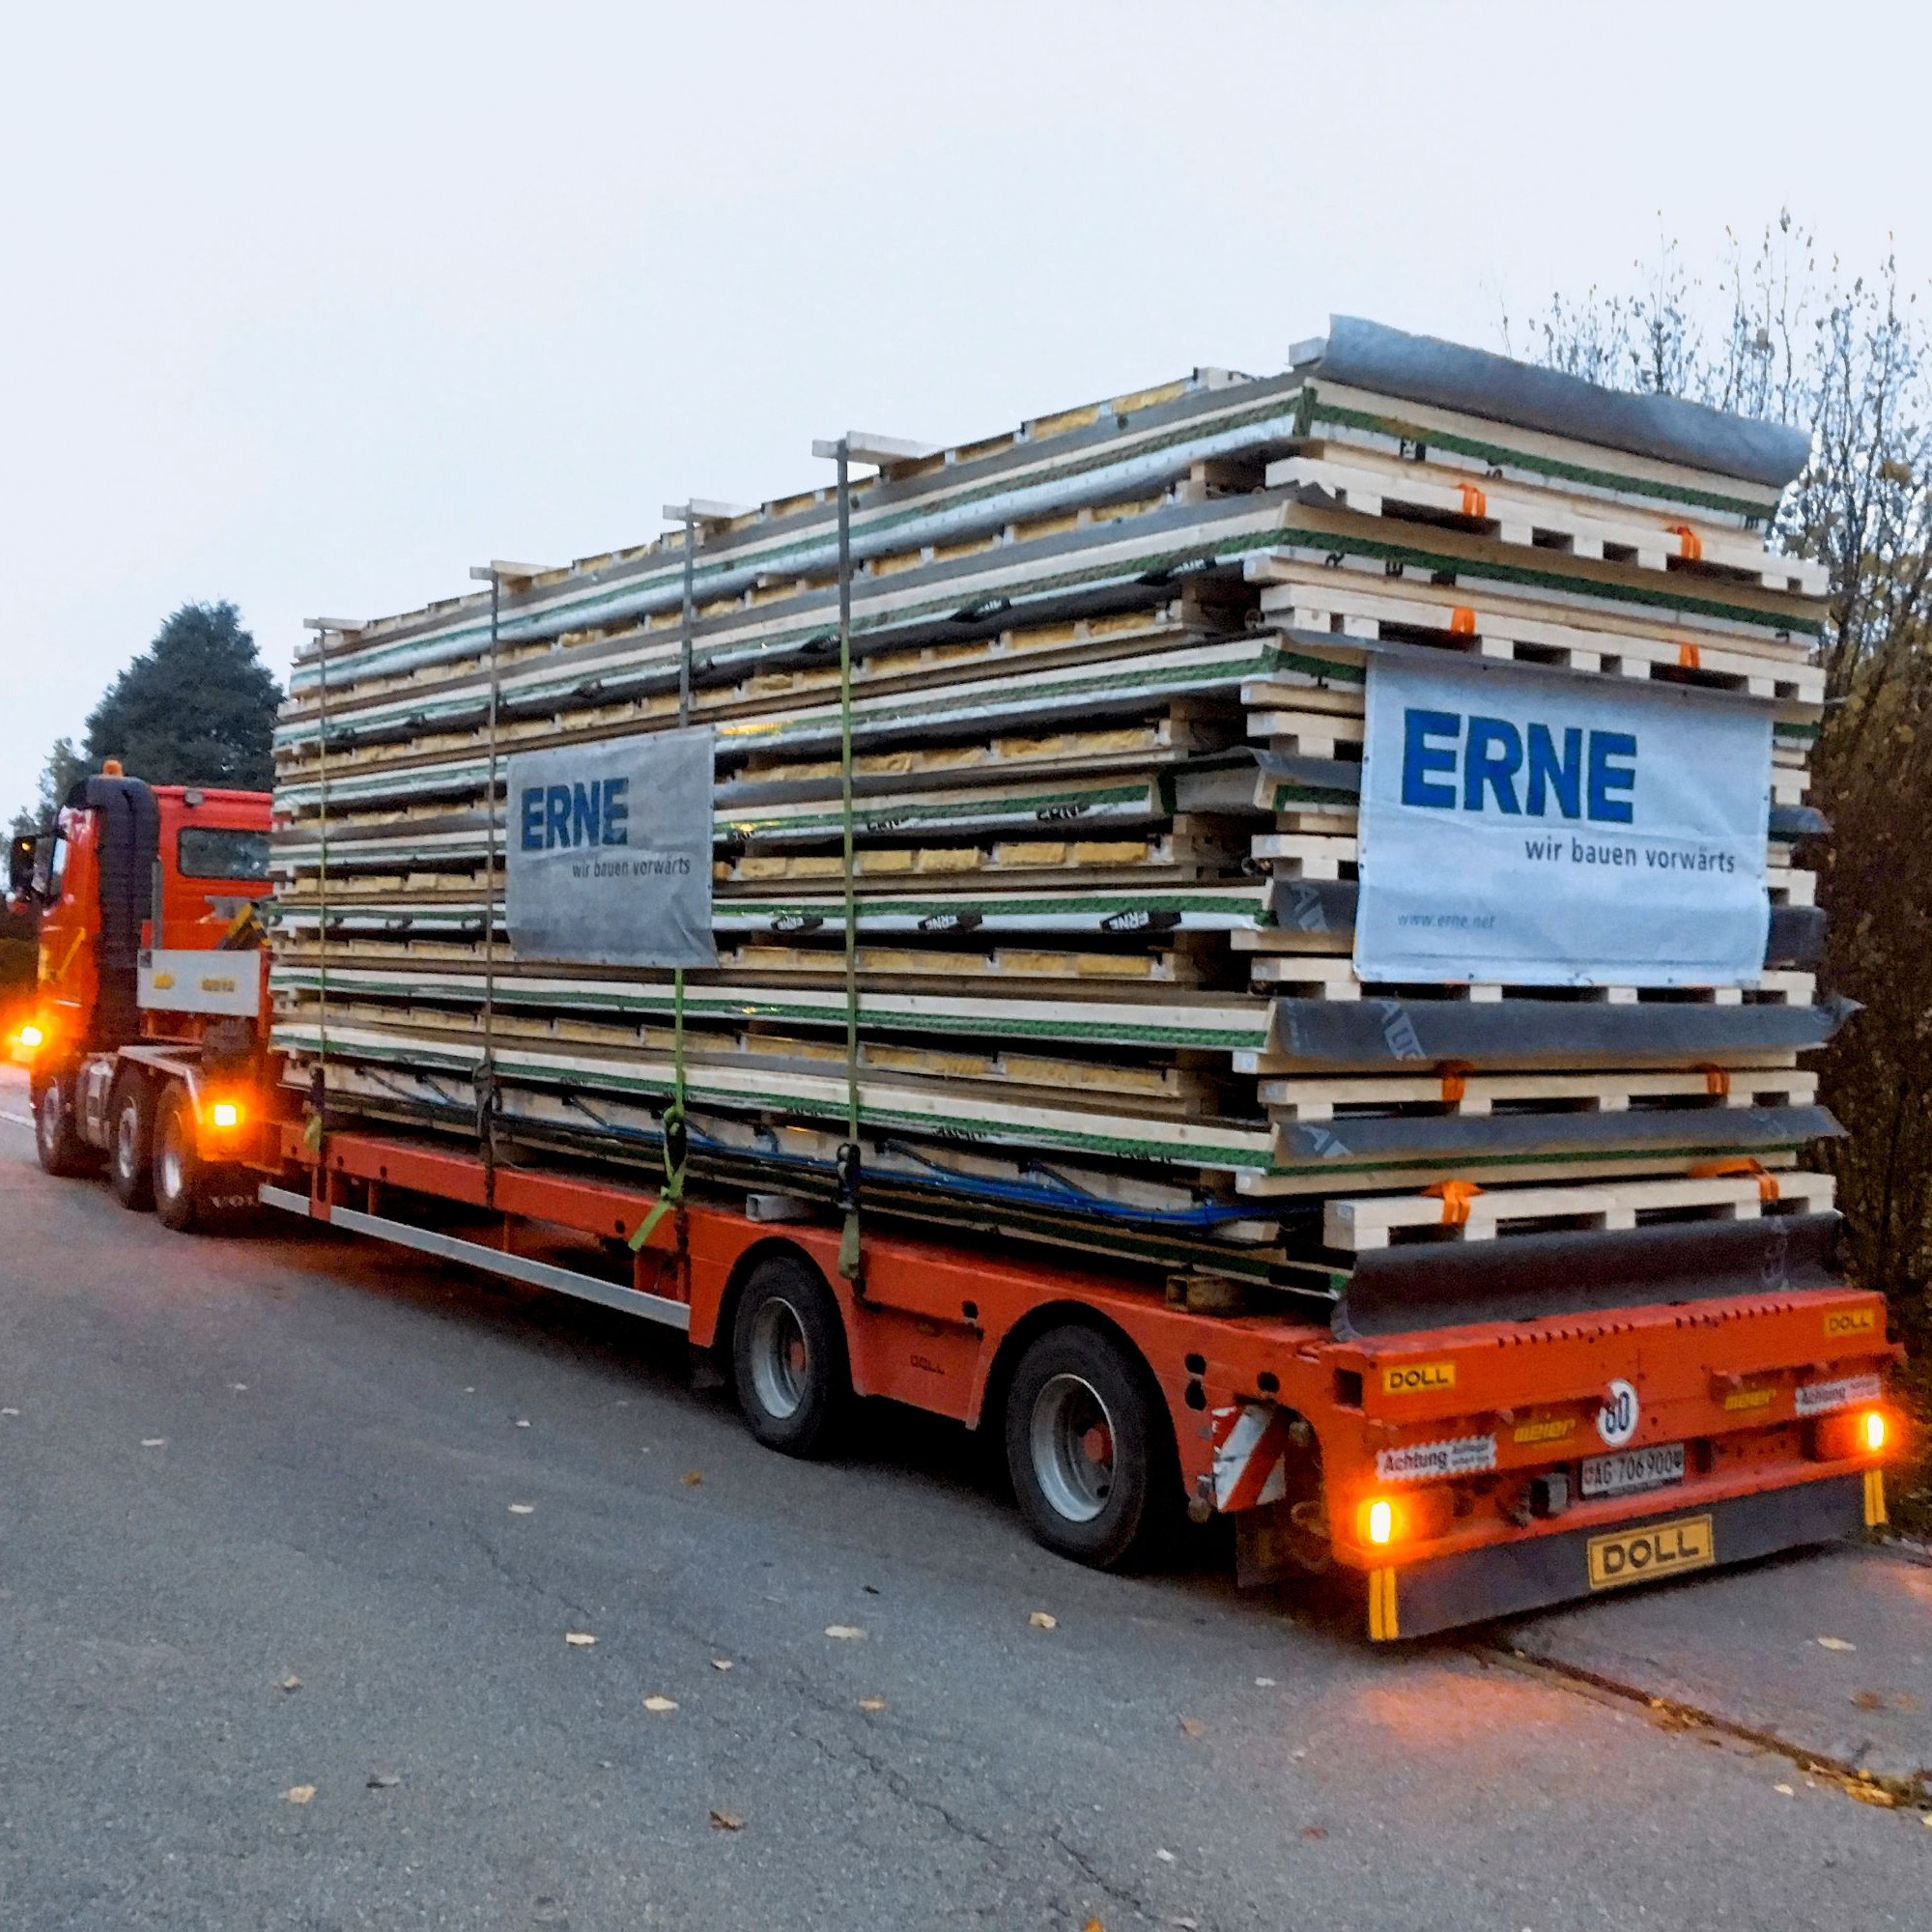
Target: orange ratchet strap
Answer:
[[1455, 1196], [1712, 1170]]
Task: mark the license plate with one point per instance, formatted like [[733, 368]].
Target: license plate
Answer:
[[1625, 1471], [1655, 1550]]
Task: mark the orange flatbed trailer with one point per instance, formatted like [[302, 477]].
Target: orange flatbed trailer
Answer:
[[943, 1327]]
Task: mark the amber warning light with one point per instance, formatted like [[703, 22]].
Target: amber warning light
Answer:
[[226, 1114]]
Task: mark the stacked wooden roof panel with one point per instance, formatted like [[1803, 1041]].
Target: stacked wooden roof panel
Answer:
[[1107, 716]]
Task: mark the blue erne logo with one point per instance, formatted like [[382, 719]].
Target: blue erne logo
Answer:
[[570, 816], [1451, 763]]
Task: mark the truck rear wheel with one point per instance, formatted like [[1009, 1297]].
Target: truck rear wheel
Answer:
[[57, 1132], [788, 1357], [177, 1165], [130, 1169], [1089, 1449]]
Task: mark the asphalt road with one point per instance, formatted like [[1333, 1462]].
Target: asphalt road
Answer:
[[294, 1533]]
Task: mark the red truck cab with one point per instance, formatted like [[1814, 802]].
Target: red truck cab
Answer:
[[136, 887]]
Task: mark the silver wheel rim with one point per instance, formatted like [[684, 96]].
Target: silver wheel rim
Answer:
[[171, 1168], [781, 1359], [1072, 1438], [127, 1141], [50, 1116]]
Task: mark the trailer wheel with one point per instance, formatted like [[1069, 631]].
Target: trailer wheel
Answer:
[[1089, 1449], [57, 1132], [177, 1164], [788, 1355], [130, 1167]]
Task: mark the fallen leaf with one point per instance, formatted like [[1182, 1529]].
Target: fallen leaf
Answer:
[[1784, 1791], [656, 1703], [1868, 1701], [728, 1821], [1835, 1643], [1040, 1621], [1193, 1727], [1925, 1819], [690, 1477], [300, 1794], [720, 1664], [383, 1780], [1093, 1926], [291, 1682], [1315, 1830], [583, 1639], [522, 1509], [1872, 1794], [871, 1703], [1164, 1854], [154, 1442], [846, 1631]]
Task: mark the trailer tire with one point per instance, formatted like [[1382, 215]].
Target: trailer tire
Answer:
[[1089, 1449], [788, 1357], [57, 1140], [175, 1164], [131, 1173]]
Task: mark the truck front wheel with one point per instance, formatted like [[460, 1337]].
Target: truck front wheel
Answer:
[[177, 1164], [57, 1132], [1089, 1449], [130, 1169]]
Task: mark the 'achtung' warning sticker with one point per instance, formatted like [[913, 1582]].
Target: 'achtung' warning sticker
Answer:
[[1461, 1455], [1816, 1398]]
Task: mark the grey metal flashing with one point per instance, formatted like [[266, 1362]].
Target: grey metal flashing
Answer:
[[1695, 1132], [1425, 369], [1374, 1034], [1398, 1290]]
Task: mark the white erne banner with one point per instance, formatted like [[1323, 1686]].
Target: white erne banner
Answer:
[[608, 853], [1550, 830]]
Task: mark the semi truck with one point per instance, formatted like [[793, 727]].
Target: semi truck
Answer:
[[1482, 1428]]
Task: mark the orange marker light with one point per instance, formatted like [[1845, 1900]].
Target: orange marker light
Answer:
[[226, 1114], [32, 1036], [1872, 1430], [1379, 1521]]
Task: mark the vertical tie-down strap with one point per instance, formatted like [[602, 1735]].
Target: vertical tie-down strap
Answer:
[[851, 1158]]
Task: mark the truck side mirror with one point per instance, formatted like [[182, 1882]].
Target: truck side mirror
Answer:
[[22, 856]]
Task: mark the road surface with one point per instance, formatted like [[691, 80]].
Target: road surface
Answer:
[[296, 1535]]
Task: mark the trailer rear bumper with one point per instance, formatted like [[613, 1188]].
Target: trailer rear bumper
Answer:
[[1504, 1579]]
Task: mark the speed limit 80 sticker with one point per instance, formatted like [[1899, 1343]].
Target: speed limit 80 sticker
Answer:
[[1617, 1419]]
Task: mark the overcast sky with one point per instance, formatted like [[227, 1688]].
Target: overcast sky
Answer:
[[313, 309]]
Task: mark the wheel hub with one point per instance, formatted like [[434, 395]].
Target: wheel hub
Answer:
[[780, 1359], [1071, 1439]]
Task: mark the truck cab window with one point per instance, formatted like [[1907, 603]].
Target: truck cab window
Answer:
[[212, 852]]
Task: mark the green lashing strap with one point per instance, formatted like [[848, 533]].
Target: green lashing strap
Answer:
[[850, 1158], [676, 1142]]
